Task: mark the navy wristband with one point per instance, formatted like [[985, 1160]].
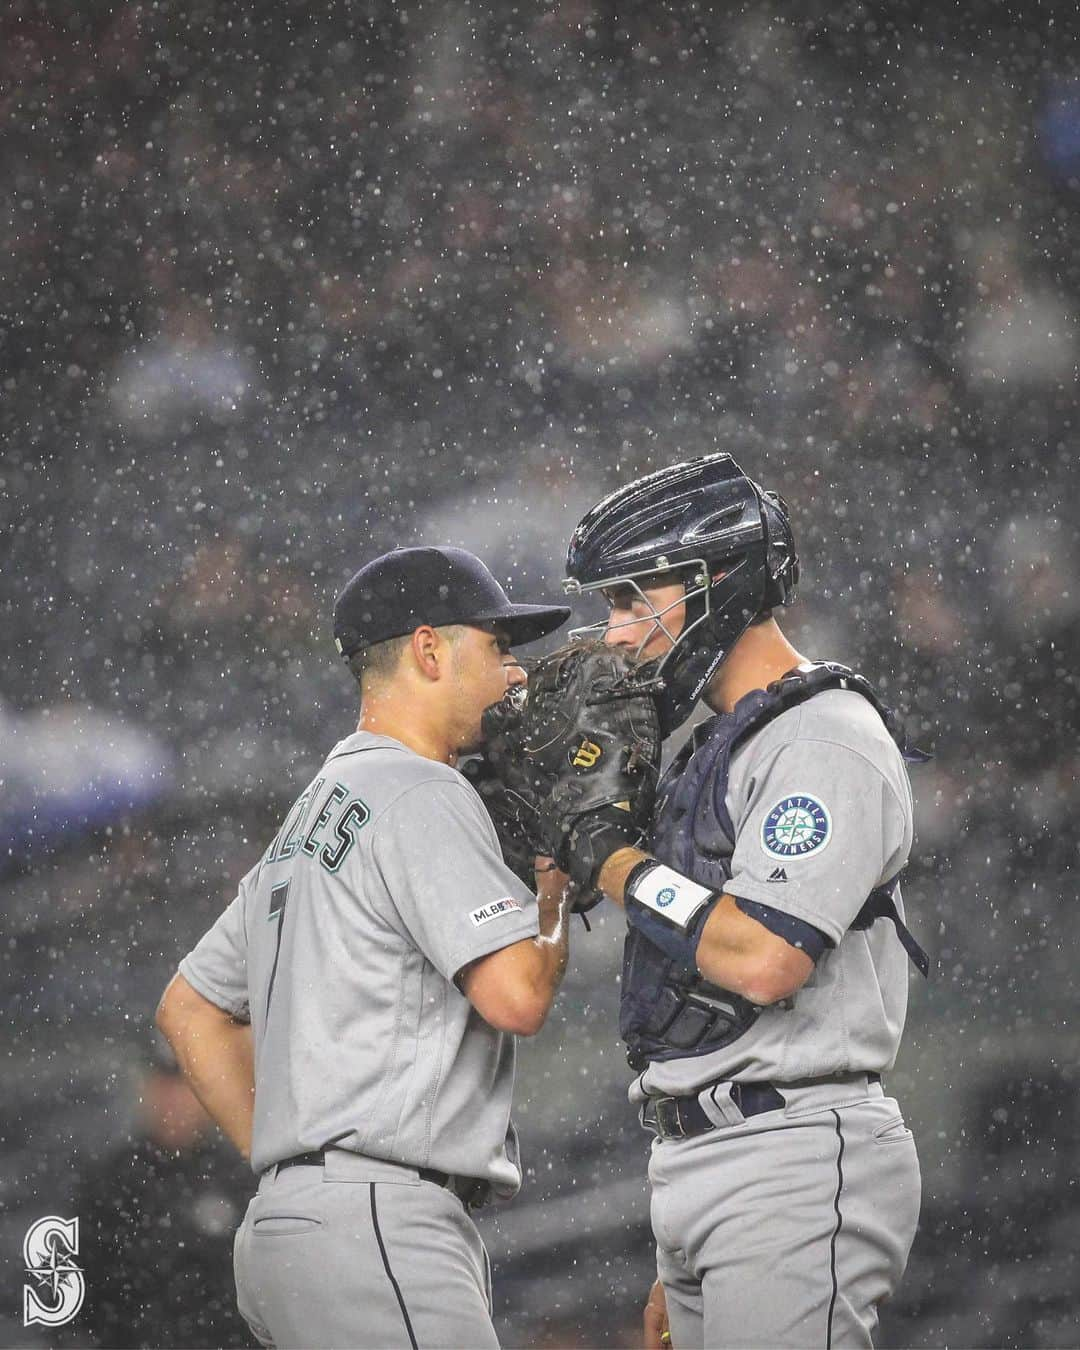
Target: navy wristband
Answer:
[[669, 909], [668, 894]]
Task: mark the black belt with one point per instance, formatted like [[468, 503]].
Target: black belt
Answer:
[[469, 1190], [316, 1158], [684, 1117]]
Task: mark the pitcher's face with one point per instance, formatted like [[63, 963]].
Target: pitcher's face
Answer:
[[484, 668]]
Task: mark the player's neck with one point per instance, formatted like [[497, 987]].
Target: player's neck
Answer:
[[409, 726], [763, 654]]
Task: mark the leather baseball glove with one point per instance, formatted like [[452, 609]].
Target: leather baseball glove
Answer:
[[517, 850], [577, 753]]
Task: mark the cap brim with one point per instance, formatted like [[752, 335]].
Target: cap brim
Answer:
[[525, 623]]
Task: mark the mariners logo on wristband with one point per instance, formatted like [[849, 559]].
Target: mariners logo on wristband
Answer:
[[798, 824]]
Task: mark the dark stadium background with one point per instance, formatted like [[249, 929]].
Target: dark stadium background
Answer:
[[285, 284]]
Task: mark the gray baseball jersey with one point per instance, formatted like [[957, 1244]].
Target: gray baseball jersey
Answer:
[[342, 947], [822, 810]]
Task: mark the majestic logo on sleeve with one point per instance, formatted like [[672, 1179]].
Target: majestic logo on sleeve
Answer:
[[798, 824]]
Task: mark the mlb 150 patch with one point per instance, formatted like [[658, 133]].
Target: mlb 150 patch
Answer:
[[488, 912], [798, 824]]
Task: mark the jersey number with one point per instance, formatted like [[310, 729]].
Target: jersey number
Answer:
[[278, 896]]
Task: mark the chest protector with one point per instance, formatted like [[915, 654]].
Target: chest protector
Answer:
[[669, 1010]]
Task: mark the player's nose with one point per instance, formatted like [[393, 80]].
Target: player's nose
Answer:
[[617, 634], [515, 674]]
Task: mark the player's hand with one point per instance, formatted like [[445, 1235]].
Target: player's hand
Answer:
[[551, 882], [657, 1336]]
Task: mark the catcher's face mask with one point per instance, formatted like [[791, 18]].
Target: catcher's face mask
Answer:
[[648, 613]]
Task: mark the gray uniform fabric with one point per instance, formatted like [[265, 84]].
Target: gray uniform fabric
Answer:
[[383, 882], [850, 1014], [361, 1253], [789, 1228]]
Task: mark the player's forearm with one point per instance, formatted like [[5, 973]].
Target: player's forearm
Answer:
[[552, 942], [613, 874], [224, 1081], [219, 1063], [737, 953], [217, 1056], [513, 988], [734, 951]]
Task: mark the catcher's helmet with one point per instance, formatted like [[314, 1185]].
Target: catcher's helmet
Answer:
[[729, 541]]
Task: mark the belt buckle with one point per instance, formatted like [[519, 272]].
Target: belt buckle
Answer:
[[669, 1122]]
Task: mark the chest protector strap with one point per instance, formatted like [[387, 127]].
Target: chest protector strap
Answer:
[[668, 1009]]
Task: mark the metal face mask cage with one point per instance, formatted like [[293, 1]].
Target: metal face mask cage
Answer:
[[701, 584]]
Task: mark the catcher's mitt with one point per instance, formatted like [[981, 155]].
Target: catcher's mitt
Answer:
[[577, 751], [517, 850]]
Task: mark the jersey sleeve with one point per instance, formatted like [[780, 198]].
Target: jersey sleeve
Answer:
[[216, 968], [439, 858], [821, 829]]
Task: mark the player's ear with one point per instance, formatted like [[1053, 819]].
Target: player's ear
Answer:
[[427, 651]]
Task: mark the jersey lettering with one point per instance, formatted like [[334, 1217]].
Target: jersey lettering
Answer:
[[337, 795], [278, 897], [296, 814], [292, 839], [348, 826]]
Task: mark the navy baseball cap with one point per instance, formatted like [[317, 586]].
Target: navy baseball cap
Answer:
[[408, 587]]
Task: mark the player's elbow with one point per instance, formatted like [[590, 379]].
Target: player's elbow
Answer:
[[182, 1011], [771, 973], [521, 1013], [512, 989], [778, 976], [168, 1017]]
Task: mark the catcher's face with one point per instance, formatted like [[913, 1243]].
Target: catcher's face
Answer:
[[484, 668], [646, 619]]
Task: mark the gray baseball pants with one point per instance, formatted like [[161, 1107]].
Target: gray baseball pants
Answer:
[[787, 1229], [361, 1253]]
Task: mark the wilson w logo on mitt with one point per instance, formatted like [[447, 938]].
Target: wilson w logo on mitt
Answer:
[[585, 756]]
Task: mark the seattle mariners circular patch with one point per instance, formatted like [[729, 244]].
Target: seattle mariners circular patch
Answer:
[[798, 824]]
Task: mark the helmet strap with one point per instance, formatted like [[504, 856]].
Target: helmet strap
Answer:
[[714, 624]]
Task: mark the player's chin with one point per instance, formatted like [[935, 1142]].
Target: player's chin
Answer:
[[471, 743], [652, 651]]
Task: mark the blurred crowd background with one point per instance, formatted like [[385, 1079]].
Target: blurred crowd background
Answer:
[[286, 284]]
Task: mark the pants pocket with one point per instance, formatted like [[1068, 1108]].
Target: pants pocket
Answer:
[[284, 1225], [894, 1131]]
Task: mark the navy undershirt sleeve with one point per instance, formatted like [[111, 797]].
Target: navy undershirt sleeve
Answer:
[[680, 945], [794, 931]]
